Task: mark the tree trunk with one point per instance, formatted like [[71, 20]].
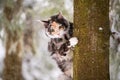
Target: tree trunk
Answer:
[[12, 69], [13, 62], [91, 21]]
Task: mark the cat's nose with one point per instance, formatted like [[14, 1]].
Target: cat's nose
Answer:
[[58, 34]]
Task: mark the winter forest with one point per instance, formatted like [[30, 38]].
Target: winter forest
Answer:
[[23, 43]]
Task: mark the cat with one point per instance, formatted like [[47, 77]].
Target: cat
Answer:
[[60, 31]]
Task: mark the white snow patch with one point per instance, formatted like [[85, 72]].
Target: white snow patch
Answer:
[[100, 28], [2, 56]]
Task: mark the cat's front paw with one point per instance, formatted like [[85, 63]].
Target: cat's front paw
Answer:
[[73, 41]]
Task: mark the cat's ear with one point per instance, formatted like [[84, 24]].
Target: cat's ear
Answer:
[[46, 23], [60, 16]]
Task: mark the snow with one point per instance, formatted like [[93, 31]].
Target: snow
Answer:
[[100, 28], [2, 56], [39, 68], [22, 18], [69, 5]]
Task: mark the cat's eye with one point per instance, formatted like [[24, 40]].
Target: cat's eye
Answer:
[[52, 30], [61, 27]]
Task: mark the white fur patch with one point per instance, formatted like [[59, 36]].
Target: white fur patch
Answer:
[[73, 41]]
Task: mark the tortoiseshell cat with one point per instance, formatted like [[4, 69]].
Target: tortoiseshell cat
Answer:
[[60, 31]]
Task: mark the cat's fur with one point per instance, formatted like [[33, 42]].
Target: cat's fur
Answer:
[[60, 31]]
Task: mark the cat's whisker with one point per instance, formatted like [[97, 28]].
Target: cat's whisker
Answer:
[[38, 21]]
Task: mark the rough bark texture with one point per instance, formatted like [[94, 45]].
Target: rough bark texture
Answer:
[[91, 21], [12, 69]]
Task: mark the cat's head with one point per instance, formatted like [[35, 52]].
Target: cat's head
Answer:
[[56, 26]]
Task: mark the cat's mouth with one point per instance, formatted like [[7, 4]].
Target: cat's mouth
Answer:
[[58, 34], [53, 35]]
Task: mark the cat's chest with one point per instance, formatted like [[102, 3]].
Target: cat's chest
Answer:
[[58, 42]]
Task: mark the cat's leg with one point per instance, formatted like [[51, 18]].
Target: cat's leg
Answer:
[[64, 77], [52, 48], [64, 49], [67, 70]]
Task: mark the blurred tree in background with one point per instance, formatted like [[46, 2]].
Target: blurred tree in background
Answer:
[[114, 16], [13, 43]]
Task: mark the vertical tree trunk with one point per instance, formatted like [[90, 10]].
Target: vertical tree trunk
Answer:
[[12, 69], [91, 21]]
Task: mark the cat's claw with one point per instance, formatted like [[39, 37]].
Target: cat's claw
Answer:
[[73, 41]]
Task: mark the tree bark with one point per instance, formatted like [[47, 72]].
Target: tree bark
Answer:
[[12, 61], [91, 21]]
